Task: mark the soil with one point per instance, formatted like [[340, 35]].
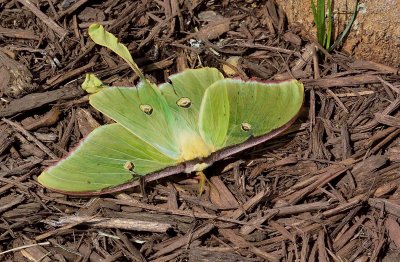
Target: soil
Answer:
[[326, 190]]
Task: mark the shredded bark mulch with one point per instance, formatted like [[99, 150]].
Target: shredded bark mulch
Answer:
[[326, 190]]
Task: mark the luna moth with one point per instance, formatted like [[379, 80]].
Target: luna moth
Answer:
[[185, 125]]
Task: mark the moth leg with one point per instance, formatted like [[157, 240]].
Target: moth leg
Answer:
[[202, 181]]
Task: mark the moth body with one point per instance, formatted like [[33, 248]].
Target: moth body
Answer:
[[197, 168]]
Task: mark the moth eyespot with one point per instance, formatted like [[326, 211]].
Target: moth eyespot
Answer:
[[184, 102], [246, 127], [147, 109], [129, 166]]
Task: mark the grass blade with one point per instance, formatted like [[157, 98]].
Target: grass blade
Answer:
[[329, 29], [347, 29]]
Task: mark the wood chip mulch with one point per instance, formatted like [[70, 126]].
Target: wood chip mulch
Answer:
[[326, 190]]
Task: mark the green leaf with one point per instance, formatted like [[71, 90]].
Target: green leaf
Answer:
[[324, 29], [321, 19], [329, 26]]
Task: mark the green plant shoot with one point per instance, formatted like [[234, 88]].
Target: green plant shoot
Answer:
[[324, 30], [323, 10]]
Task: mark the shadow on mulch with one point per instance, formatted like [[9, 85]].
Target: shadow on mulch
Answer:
[[327, 190]]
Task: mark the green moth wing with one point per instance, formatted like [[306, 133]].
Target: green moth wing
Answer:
[[234, 110], [104, 38], [185, 92], [100, 162], [143, 111]]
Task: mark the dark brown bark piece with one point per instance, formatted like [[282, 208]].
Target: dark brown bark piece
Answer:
[[36, 100]]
